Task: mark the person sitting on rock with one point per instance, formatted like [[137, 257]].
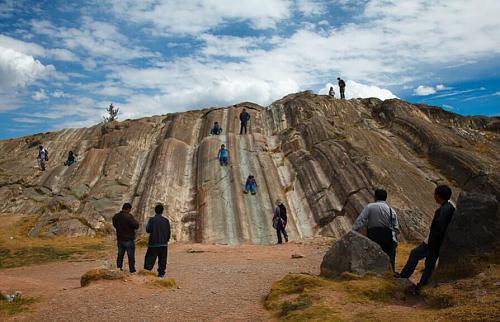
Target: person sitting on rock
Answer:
[[216, 130], [43, 157], [251, 185], [158, 228], [280, 220], [223, 155], [71, 159], [331, 92], [429, 248], [244, 118], [125, 225], [382, 224]]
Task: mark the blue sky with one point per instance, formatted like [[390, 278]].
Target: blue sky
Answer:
[[61, 63]]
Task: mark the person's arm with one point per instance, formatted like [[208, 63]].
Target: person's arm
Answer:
[[168, 230], [149, 226], [361, 221], [218, 154], [395, 222], [132, 221]]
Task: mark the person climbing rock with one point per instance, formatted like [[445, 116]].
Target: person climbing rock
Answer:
[[382, 223], [223, 155], [216, 129], [244, 118], [125, 225], [251, 185], [430, 247], [43, 157], [158, 228], [341, 87], [71, 159], [280, 220], [331, 92]]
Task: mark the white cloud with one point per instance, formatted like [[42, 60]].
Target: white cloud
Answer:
[[18, 69], [58, 94], [32, 49], [311, 8], [358, 90], [27, 120], [441, 87], [496, 93], [424, 90], [196, 16], [40, 95]]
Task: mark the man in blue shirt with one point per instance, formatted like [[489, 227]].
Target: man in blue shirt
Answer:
[[223, 155]]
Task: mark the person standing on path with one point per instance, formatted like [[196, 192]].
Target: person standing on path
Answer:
[[382, 223], [158, 228], [125, 225], [244, 118], [341, 87], [43, 156], [430, 247], [280, 220]]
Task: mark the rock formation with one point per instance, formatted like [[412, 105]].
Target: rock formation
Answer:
[[354, 253], [472, 238], [323, 157]]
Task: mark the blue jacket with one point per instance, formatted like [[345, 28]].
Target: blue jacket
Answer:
[[158, 228]]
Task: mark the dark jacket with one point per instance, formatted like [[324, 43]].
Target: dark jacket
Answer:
[[158, 228], [244, 117], [442, 218], [341, 83], [125, 225]]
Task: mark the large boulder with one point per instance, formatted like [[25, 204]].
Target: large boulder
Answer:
[[472, 239], [356, 254]]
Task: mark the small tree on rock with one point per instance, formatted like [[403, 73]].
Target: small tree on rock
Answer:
[[112, 114]]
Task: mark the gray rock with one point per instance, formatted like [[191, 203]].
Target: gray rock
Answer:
[[472, 238], [354, 253]]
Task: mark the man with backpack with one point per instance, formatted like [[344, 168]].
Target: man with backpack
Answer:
[[280, 220], [158, 228], [382, 223], [125, 225], [341, 87], [244, 118], [43, 156]]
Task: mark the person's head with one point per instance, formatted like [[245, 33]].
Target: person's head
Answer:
[[278, 202], [380, 195], [70, 152], [216, 123], [222, 146], [159, 209], [442, 193], [331, 88], [244, 110], [126, 207], [338, 78], [40, 147]]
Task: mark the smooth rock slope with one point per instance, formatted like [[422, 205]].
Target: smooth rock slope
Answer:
[[323, 157]]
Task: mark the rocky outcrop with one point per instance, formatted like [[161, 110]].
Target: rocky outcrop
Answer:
[[323, 157], [354, 253], [472, 238]]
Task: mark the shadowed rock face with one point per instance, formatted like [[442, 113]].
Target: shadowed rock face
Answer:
[[322, 157]]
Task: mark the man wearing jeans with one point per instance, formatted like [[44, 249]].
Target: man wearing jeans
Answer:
[[158, 228], [125, 225]]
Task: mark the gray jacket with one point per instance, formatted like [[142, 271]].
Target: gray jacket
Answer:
[[378, 214]]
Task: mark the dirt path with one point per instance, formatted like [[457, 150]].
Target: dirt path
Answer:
[[221, 284]]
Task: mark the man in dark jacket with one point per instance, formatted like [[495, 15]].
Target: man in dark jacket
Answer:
[[341, 87], [280, 220], [244, 118], [125, 225], [429, 248], [158, 228]]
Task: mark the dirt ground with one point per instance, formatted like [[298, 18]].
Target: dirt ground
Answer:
[[223, 283]]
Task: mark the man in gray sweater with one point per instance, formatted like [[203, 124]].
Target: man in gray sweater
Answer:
[[382, 223]]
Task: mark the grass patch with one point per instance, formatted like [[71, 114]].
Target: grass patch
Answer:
[[18, 249], [144, 272], [313, 314], [101, 274], [291, 284], [165, 283], [20, 305], [371, 288]]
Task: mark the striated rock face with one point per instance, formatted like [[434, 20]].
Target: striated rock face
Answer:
[[354, 253], [322, 157]]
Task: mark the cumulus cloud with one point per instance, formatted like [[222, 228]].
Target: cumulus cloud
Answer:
[[496, 93], [423, 90], [58, 94], [18, 69], [40, 95], [358, 90]]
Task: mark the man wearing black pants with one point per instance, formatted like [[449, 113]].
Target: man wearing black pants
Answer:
[[280, 220], [158, 228], [341, 87], [382, 223], [244, 118], [429, 248], [125, 225]]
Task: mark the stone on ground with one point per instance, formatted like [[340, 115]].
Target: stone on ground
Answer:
[[354, 253]]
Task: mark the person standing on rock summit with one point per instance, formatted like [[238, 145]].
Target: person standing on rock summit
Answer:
[[382, 223], [125, 225], [280, 220], [430, 247], [244, 118], [158, 228], [341, 87]]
